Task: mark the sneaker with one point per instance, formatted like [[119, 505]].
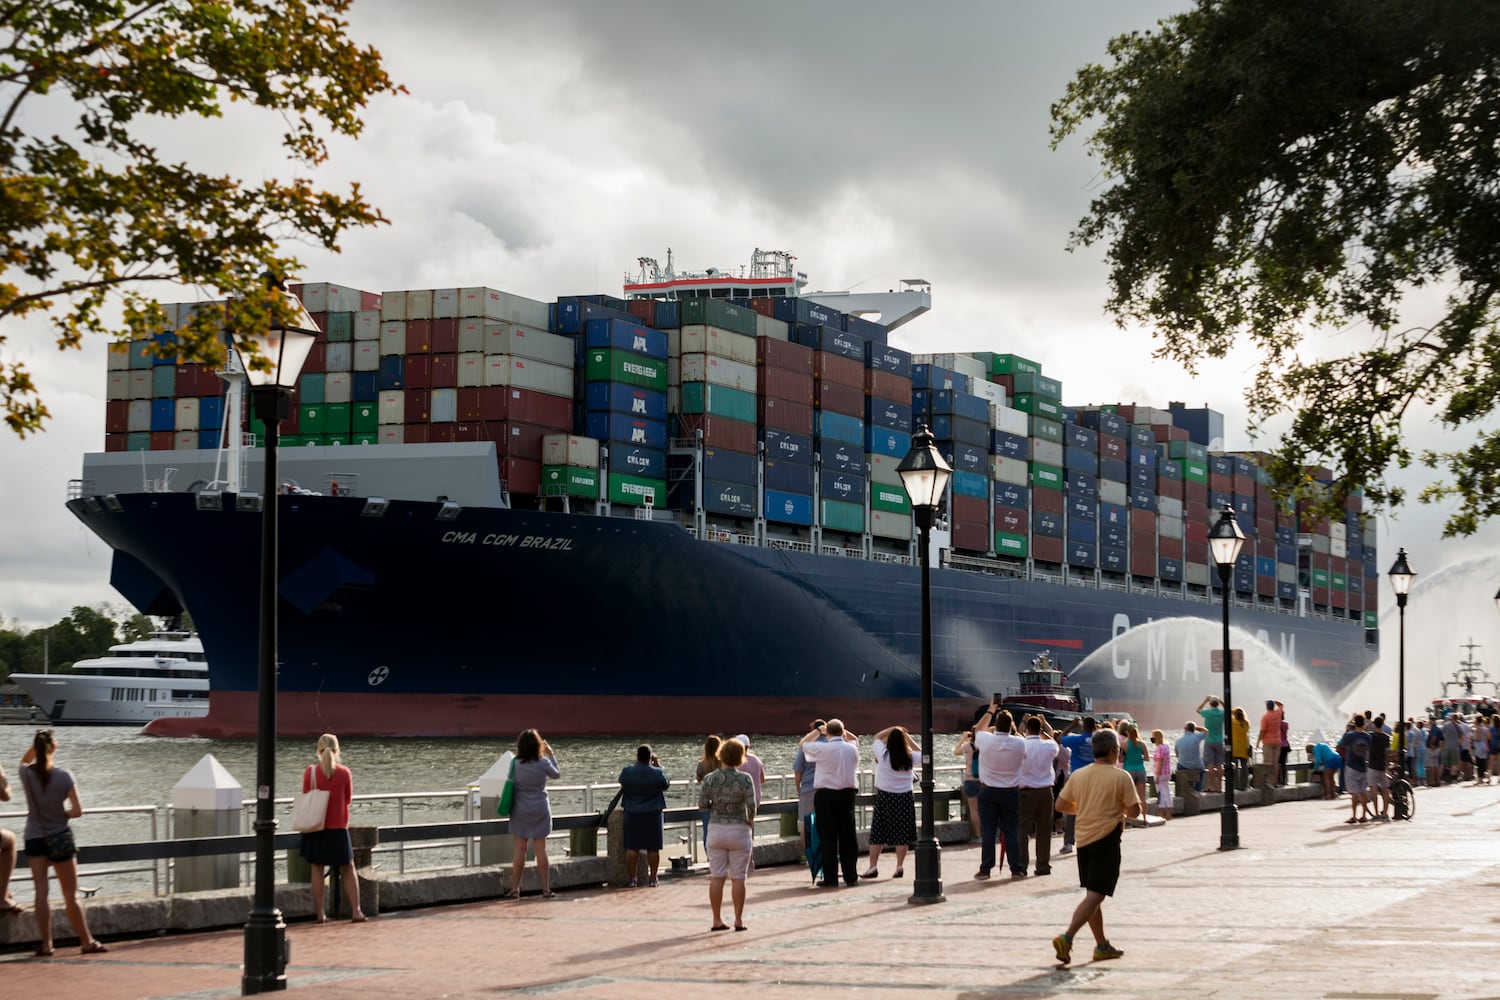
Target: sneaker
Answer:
[[1063, 946], [1066, 849], [631, 884], [1106, 951], [982, 875], [652, 882]]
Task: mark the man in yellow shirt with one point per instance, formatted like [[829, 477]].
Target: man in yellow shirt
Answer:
[[1101, 797]]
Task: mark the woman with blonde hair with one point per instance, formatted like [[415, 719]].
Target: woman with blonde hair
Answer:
[[331, 847], [531, 810], [707, 764], [51, 801]]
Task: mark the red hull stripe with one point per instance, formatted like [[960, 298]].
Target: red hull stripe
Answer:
[[1325, 663], [1059, 643]]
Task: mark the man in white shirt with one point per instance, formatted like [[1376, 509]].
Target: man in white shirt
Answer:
[[835, 784], [1038, 773], [1001, 754]]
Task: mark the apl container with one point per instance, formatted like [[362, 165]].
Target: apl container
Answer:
[[623, 335], [627, 429]]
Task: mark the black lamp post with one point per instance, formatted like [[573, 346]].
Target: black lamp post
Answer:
[[285, 346], [924, 474], [1401, 576], [1225, 540]]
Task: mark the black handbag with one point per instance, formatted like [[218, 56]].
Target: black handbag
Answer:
[[60, 846]]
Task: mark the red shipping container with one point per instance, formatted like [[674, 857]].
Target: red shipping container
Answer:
[[163, 440], [1011, 520], [1170, 548], [1048, 501], [472, 431], [1143, 540], [1008, 381], [1142, 559], [1195, 530], [521, 476], [765, 305], [416, 433], [1142, 520], [643, 310], [1263, 496], [369, 300], [115, 442], [836, 398], [1113, 447], [970, 510], [444, 369], [1169, 488], [417, 407], [1265, 527], [524, 440], [1045, 549], [320, 319], [1265, 586], [418, 338], [493, 402], [971, 537], [117, 416], [1220, 483], [778, 383], [773, 353], [316, 359], [888, 385], [532, 407], [718, 432], [1265, 545], [440, 433], [470, 405], [784, 415], [418, 371], [1196, 493], [445, 336], [1196, 552], [836, 368]]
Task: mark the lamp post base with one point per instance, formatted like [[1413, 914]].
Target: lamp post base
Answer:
[[928, 887], [1229, 828], [265, 953]]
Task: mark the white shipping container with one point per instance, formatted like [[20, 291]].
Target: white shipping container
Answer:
[[338, 357], [526, 342], [770, 326], [1195, 573], [316, 296], [1338, 531], [367, 355], [570, 449], [1113, 492], [185, 440], [140, 383], [170, 309], [470, 369], [392, 306], [338, 387], [493, 304], [187, 415], [883, 470], [1169, 507], [444, 406], [1011, 421], [1049, 452], [884, 524], [1008, 470], [367, 324], [964, 364], [445, 303], [138, 416], [1169, 527], [992, 392], [117, 385], [471, 335], [392, 337], [419, 303], [528, 373], [390, 434], [119, 357], [698, 339], [392, 408], [1286, 573], [674, 370], [718, 371], [1338, 548], [1321, 544]]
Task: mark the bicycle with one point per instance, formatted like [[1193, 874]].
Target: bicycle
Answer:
[[1403, 795]]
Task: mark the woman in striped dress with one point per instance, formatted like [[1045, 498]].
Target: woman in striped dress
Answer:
[[895, 821]]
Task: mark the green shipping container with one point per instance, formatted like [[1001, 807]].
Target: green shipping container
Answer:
[[1017, 546], [338, 439], [891, 499], [718, 400], [1038, 385], [340, 327], [636, 490], [1372, 619], [336, 418], [1187, 449], [840, 516], [163, 381], [604, 365], [138, 441], [1044, 476], [311, 419], [1339, 582], [717, 312], [1045, 430], [1320, 577], [364, 437], [1038, 406], [1013, 364], [570, 480], [364, 418], [293, 440], [1192, 470], [310, 388]]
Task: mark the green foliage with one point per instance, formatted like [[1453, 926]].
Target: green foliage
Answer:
[[1272, 169], [91, 215]]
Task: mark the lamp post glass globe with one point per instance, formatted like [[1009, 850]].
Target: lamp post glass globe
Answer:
[[924, 474], [1225, 539], [285, 345]]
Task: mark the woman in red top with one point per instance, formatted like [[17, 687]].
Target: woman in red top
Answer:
[[330, 847]]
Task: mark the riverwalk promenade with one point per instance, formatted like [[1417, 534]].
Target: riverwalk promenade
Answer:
[[1309, 908]]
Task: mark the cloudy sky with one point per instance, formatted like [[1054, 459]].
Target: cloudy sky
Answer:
[[543, 147]]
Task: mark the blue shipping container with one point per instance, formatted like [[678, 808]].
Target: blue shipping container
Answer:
[[1143, 499], [971, 484], [728, 466], [887, 442], [365, 387], [1078, 460], [393, 372], [622, 335], [1114, 534], [1011, 495], [1113, 513], [788, 477], [618, 397], [633, 461], [1075, 436], [888, 414], [837, 427], [1111, 559], [1080, 530], [1286, 553], [1046, 524], [1167, 468], [1145, 457], [1265, 566], [787, 446], [946, 427], [211, 413], [1083, 508], [831, 340], [1010, 445], [788, 508], [958, 404], [734, 499], [807, 312], [841, 456], [1113, 469], [1169, 569], [209, 440], [868, 329], [624, 428], [843, 486], [1286, 591], [1083, 555], [1141, 478], [883, 357], [1082, 484], [163, 415], [933, 377], [573, 312], [965, 457]]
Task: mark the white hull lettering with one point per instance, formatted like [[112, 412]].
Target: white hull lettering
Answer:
[[1121, 666], [508, 541]]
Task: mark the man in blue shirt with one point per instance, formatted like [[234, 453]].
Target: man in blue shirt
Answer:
[[1326, 764], [1190, 753], [1081, 754], [1355, 746]]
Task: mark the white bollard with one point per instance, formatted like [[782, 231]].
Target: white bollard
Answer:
[[500, 849], [206, 803]]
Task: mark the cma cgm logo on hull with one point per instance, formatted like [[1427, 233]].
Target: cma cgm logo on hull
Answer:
[[1189, 659]]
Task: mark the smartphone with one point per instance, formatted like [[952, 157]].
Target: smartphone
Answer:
[[998, 698]]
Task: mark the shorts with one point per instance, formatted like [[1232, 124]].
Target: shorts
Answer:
[[1450, 756], [1213, 754], [1358, 782], [971, 788], [1378, 779], [1099, 863], [729, 850], [1270, 753]]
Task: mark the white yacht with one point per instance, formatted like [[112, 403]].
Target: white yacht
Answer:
[[164, 676]]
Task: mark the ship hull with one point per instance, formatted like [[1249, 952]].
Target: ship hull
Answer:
[[497, 619]]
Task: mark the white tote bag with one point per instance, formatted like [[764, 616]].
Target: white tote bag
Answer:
[[309, 809]]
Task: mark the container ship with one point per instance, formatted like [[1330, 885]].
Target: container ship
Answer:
[[677, 512]]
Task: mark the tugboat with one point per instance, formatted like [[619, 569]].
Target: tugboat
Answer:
[[1470, 692], [1046, 691]]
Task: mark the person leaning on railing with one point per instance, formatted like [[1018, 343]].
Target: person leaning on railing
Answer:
[[51, 801], [7, 856]]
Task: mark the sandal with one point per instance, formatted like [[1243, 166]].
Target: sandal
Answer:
[[11, 906], [42, 953], [549, 894], [513, 894], [872, 873], [898, 873], [720, 927], [94, 948]]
